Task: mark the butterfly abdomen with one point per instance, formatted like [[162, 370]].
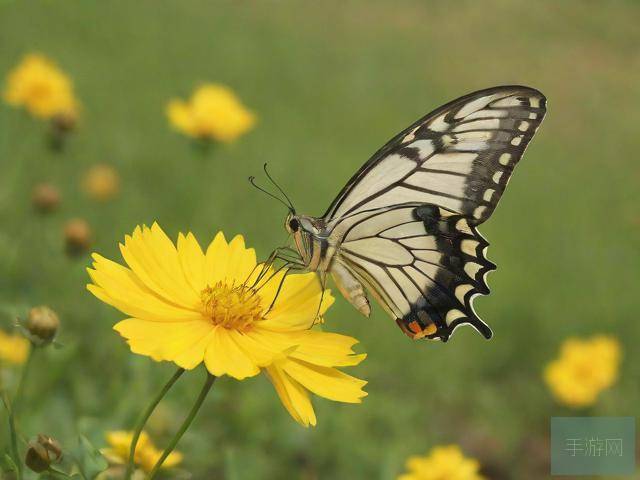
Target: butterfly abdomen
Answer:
[[350, 288]]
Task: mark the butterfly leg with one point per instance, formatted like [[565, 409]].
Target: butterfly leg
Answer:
[[350, 288]]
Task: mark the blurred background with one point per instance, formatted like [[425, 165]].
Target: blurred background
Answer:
[[329, 83]]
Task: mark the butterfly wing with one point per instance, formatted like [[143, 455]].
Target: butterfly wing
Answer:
[[406, 222], [459, 157], [422, 264]]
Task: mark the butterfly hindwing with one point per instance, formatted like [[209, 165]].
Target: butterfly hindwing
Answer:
[[423, 265], [459, 157]]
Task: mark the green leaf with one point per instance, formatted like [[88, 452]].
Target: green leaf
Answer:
[[90, 461], [9, 463]]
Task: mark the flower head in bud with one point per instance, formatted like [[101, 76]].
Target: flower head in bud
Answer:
[[42, 451], [64, 122], [45, 197], [101, 182], [42, 325], [77, 235]]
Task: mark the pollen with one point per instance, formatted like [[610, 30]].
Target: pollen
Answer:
[[231, 307]]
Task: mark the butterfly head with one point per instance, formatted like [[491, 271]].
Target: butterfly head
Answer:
[[302, 224], [292, 223], [307, 234]]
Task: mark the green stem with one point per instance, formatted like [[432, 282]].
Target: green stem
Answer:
[[23, 377], [13, 435], [142, 421], [185, 425]]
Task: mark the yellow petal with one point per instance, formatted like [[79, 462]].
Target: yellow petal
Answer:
[[325, 381], [260, 353], [293, 396], [326, 349], [217, 260], [180, 117], [224, 357], [154, 259], [192, 260], [183, 343], [172, 460], [120, 287], [298, 304], [242, 261], [274, 341]]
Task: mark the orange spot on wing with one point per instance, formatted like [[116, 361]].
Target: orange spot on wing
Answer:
[[414, 330]]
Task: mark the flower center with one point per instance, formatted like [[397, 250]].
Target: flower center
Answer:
[[231, 307]]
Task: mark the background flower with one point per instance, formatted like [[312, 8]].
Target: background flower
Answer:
[[146, 454], [14, 348], [584, 368], [191, 307], [38, 85], [214, 112], [101, 182], [442, 463]]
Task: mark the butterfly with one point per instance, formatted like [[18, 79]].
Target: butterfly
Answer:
[[404, 229]]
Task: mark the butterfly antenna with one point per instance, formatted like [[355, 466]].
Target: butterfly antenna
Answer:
[[252, 181], [291, 207]]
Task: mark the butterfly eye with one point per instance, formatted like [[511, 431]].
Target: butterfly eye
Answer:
[[294, 225]]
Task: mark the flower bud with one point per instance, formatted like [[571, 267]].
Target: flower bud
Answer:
[[45, 197], [42, 451], [101, 182], [42, 325], [65, 122], [77, 236]]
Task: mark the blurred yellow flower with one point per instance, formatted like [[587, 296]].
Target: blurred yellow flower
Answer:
[[188, 306], [39, 86], [14, 348], [213, 113], [146, 454], [584, 368], [101, 182], [442, 463]]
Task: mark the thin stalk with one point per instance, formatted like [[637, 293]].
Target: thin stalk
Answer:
[[13, 436], [17, 400], [185, 425], [142, 421]]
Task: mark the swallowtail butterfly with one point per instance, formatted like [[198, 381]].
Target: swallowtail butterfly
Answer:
[[405, 227]]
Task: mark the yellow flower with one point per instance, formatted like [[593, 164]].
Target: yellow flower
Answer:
[[583, 370], [213, 113], [14, 348], [188, 307], [442, 463], [101, 182], [38, 85], [146, 454]]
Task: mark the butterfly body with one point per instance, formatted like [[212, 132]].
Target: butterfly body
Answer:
[[404, 228]]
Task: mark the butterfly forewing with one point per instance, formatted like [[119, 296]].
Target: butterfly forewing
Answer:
[[406, 222], [459, 157]]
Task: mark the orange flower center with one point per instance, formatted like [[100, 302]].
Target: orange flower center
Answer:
[[231, 307]]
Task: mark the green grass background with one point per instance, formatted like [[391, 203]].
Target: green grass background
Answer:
[[330, 83]]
